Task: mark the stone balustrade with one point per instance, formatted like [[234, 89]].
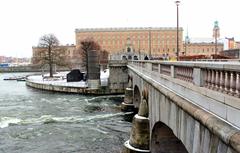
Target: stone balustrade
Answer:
[[219, 76]]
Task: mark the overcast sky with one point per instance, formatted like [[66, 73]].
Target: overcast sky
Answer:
[[23, 22]]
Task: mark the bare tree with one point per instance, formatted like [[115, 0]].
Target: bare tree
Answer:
[[86, 46], [51, 53]]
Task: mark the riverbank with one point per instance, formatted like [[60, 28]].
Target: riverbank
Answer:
[[60, 84]]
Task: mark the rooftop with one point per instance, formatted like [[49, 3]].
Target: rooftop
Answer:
[[126, 29]]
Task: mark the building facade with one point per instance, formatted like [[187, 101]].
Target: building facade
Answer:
[[151, 41], [202, 48], [71, 55], [231, 53]]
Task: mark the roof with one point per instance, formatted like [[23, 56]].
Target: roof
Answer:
[[126, 29], [204, 40]]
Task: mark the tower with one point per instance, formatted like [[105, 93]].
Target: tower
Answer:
[[216, 34]]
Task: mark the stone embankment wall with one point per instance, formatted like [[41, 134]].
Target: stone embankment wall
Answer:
[[117, 82]]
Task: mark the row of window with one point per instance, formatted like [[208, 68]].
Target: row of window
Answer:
[[203, 50], [138, 43], [140, 37]]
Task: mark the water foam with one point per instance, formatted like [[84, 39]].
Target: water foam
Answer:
[[6, 121], [48, 119]]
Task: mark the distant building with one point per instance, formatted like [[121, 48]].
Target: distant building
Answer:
[[202, 48], [151, 41], [15, 61], [232, 44], [232, 53], [71, 55]]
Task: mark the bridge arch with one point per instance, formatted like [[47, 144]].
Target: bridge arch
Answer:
[[163, 140], [136, 96]]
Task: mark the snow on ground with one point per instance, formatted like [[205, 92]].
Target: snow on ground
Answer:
[[104, 75], [60, 79]]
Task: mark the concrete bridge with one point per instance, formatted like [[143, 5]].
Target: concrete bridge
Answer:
[[184, 107]]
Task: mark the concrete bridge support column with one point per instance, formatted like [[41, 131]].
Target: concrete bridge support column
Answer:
[[127, 105], [139, 137]]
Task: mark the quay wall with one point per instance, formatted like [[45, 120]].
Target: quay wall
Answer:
[[117, 82], [69, 89]]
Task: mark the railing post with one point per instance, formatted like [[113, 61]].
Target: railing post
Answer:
[[237, 85], [159, 68], [198, 77], [149, 66], [172, 71]]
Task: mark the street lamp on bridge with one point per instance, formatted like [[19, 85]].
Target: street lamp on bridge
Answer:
[[177, 4]]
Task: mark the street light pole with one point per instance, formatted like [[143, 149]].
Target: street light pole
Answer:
[[177, 3]]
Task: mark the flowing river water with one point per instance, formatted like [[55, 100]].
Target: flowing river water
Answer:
[[34, 121]]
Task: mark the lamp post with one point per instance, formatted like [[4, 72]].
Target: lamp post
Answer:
[[177, 4]]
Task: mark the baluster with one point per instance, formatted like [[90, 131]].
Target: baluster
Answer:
[[237, 85], [192, 74], [205, 75], [212, 79], [184, 73], [217, 80], [226, 82], [177, 70], [209, 78], [221, 81], [187, 74], [232, 83]]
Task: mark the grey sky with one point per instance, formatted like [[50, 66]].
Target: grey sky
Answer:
[[23, 22]]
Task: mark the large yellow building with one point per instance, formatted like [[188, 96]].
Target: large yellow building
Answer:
[[152, 41]]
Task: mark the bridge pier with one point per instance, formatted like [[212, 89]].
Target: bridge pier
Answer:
[[139, 137], [127, 104]]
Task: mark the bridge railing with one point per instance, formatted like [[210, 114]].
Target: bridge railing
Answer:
[[219, 76]]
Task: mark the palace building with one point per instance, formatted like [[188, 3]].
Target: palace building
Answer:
[[137, 43], [155, 42]]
